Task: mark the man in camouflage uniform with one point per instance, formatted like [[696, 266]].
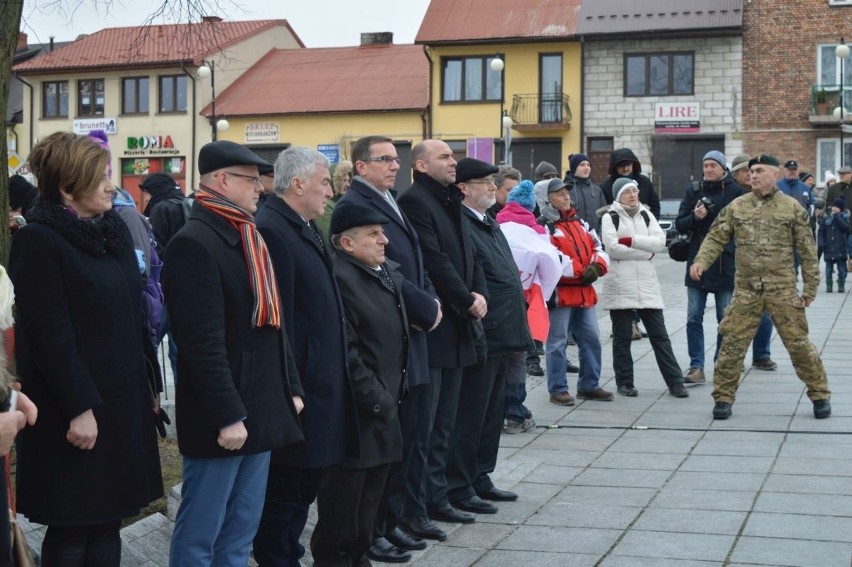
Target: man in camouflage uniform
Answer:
[[768, 226]]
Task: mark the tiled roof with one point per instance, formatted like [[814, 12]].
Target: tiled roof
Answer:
[[479, 21], [618, 17], [341, 79], [156, 45]]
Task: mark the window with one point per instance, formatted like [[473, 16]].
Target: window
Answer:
[[550, 88], [828, 156], [840, 2], [598, 145], [173, 93], [467, 79], [134, 95], [90, 97], [828, 71], [653, 74], [55, 99]]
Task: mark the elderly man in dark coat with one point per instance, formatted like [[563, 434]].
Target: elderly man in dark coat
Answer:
[[375, 161], [433, 205], [313, 314], [377, 334], [239, 392], [476, 437]]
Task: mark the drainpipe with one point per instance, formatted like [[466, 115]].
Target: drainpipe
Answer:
[[32, 110], [194, 114], [428, 124], [583, 149]]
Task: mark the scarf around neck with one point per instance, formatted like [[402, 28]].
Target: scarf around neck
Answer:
[[267, 300], [97, 236]]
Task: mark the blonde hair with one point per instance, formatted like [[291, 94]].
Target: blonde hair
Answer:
[[65, 162], [343, 171]]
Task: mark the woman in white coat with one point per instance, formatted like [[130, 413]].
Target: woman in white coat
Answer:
[[632, 237]]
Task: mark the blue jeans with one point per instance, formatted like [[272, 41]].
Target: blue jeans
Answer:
[[760, 345], [220, 508], [696, 301], [583, 324], [516, 388], [829, 270]]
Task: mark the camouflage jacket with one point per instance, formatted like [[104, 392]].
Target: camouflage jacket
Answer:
[[766, 230]]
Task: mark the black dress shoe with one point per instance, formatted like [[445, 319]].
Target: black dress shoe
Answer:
[[404, 541], [497, 495], [722, 410], [628, 391], [571, 368], [384, 551], [476, 505], [451, 515], [421, 526], [679, 391]]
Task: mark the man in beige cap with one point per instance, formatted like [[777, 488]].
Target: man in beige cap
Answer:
[[739, 169]]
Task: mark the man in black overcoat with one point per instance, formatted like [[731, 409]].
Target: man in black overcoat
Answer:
[[476, 437], [378, 343], [313, 314], [433, 205], [376, 165], [239, 393]]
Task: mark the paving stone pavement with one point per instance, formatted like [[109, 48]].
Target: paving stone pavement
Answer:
[[654, 480]]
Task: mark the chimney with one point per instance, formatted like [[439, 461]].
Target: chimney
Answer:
[[22, 41], [211, 19], [51, 43], [376, 38]]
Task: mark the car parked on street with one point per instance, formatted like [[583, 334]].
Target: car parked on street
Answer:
[[668, 213]]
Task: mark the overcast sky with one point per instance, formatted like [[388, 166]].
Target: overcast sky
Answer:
[[319, 23]]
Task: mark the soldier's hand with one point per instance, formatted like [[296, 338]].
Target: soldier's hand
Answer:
[[696, 271], [807, 301]]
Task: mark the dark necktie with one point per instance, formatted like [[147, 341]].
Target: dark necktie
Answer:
[[387, 279], [317, 235]]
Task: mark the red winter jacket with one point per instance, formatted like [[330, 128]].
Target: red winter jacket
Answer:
[[572, 238]]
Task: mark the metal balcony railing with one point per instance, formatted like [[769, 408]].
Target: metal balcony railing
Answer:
[[825, 98], [540, 109]]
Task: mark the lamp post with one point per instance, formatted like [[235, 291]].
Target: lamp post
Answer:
[[497, 65], [842, 52], [208, 69]]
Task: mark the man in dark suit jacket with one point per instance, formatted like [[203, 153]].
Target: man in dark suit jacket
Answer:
[[313, 314], [239, 391], [378, 359], [433, 205], [375, 161]]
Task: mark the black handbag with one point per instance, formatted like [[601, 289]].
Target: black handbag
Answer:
[[679, 247]]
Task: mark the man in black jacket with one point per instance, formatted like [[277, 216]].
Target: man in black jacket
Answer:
[[701, 204], [476, 437], [239, 391], [313, 314], [433, 205], [375, 160], [624, 163]]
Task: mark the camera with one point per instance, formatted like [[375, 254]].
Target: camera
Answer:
[[707, 203]]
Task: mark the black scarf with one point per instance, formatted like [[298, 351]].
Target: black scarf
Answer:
[[97, 236]]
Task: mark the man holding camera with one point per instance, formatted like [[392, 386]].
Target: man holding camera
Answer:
[[702, 202]]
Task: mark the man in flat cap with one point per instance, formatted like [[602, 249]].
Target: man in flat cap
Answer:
[[842, 188], [768, 227], [239, 393], [313, 315], [476, 436], [377, 340]]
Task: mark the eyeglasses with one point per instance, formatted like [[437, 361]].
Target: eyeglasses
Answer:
[[255, 180], [486, 181], [385, 159]]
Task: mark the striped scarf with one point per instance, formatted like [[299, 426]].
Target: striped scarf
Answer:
[[267, 301]]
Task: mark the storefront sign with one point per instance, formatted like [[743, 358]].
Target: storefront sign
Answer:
[[677, 117], [261, 132], [150, 145], [331, 151], [86, 125]]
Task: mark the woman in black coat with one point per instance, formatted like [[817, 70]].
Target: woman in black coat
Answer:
[[91, 459]]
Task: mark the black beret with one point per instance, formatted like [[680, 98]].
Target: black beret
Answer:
[[223, 153], [351, 215], [469, 168], [764, 159], [158, 180]]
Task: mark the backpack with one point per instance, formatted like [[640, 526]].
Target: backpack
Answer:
[[186, 203], [615, 220]]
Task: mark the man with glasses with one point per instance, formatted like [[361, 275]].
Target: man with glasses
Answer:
[[313, 315], [433, 205], [239, 391], [376, 165]]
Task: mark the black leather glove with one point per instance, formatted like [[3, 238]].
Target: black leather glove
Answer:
[[160, 421], [591, 274]]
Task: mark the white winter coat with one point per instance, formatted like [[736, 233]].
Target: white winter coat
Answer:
[[632, 279]]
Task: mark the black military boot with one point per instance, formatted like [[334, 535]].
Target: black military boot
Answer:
[[841, 286], [828, 286]]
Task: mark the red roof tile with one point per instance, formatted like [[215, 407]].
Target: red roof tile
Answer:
[[156, 45], [478, 21], [341, 79]]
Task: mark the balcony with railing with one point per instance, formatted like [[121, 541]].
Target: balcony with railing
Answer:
[[541, 112], [825, 104]]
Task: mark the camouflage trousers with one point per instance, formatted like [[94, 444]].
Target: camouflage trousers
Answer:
[[738, 327]]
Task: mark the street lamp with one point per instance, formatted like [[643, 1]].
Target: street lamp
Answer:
[[208, 69], [497, 65], [841, 51]]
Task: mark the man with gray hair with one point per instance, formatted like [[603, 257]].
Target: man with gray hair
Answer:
[[312, 313]]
